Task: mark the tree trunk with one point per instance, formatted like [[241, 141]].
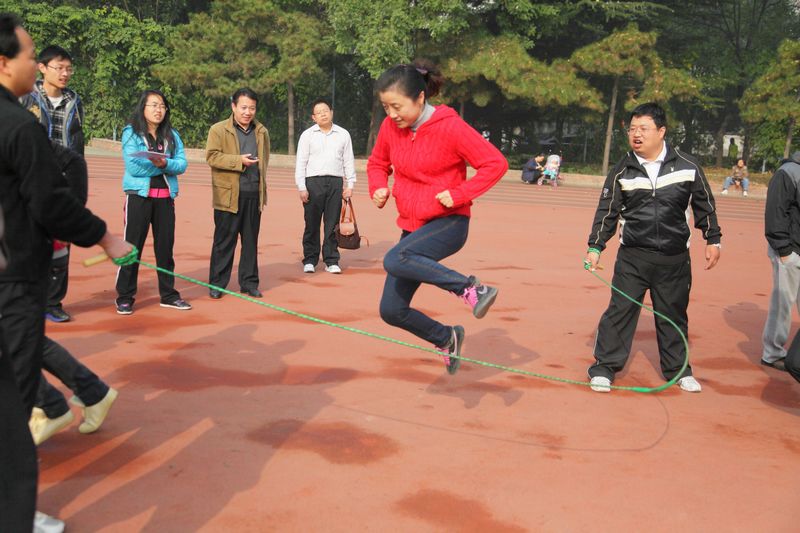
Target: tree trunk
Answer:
[[789, 133], [746, 143], [290, 105], [719, 139], [610, 126], [461, 110], [374, 123]]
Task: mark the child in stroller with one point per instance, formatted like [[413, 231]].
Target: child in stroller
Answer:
[[552, 169]]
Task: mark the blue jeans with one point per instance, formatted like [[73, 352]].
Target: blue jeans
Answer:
[[414, 261], [729, 182]]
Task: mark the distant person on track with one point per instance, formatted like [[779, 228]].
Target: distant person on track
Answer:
[[738, 177], [532, 170], [238, 153], [154, 157], [782, 230], [324, 161], [648, 193], [427, 149]]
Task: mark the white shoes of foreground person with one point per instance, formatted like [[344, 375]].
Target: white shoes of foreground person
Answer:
[[333, 269], [42, 428], [43, 523], [95, 415], [603, 384]]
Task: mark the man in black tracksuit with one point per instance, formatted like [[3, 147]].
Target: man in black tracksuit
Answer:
[[38, 206], [648, 193]]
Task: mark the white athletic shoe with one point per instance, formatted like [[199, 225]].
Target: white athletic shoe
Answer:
[[43, 523], [601, 384], [724, 191], [308, 268], [744, 193], [689, 384], [333, 269]]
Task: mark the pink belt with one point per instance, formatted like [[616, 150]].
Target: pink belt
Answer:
[[158, 193]]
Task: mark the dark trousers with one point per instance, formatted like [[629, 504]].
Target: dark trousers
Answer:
[[21, 334], [792, 360], [18, 465], [324, 205], [669, 280], [140, 214], [415, 260], [80, 380], [227, 229], [57, 284]]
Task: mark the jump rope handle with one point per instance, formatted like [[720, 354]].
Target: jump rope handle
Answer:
[[97, 259], [132, 257]]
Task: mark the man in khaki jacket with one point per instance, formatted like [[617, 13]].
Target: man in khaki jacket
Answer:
[[238, 153]]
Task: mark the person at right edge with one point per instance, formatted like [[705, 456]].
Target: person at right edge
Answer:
[[428, 148], [648, 192], [782, 230]]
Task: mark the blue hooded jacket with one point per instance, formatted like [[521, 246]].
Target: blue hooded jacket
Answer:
[[138, 171]]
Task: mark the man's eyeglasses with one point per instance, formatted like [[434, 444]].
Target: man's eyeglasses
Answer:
[[67, 70], [160, 107], [639, 129]]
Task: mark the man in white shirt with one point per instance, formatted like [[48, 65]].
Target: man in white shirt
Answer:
[[324, 160]]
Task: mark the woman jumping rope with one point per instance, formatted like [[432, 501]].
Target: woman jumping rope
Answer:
[[427, 149]]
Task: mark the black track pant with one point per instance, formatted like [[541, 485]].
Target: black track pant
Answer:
[[140, 214], [669, 279], [324, 205], [58, 282], [21, 335], [227, 228]]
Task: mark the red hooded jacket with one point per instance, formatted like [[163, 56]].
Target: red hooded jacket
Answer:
[[432, 161]]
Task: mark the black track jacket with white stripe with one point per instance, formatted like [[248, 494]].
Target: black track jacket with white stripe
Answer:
[[654, 218]]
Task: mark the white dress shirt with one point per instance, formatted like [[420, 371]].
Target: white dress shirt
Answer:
[[653, 167], [322, 153]]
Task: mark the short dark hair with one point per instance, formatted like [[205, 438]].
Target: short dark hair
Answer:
[[320, 101], [652, 110], [244, 91], [410, 80], [9, 43], [52, 52]]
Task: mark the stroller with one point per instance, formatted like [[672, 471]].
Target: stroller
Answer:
[[552, 169]]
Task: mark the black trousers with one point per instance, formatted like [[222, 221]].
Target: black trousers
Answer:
[[669, 280], [140, 214], [792, 360], [18, 465], [324, 205], [21, 335], [80, 380], [227, 229], [57, 284]]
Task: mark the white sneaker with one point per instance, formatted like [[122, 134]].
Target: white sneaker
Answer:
[[601, 384], [333, 269], [724, 191], [744, 193], [43, 523], [42, 428], [689, 384], [308, 268]]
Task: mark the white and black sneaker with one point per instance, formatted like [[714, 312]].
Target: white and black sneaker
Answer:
[[179, 304]]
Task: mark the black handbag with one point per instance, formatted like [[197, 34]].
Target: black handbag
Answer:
[[347, 230]]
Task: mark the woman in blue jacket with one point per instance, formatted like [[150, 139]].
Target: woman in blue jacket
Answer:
[[153, 154]]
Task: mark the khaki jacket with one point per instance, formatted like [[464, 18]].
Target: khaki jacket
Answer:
[[224, 158]]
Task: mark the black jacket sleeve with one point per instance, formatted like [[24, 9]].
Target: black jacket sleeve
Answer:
[[44, 189], [704, 209], [73, 167], [781, 194], [608, 209]]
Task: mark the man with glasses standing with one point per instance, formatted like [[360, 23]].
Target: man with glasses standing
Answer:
[[324, 157], [60, 110], [648, 192]]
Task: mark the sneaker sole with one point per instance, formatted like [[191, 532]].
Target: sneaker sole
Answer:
[[455, 357], [483, 306], [176, 307], [124, 312]]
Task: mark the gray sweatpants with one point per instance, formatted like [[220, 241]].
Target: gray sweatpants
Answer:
[[785, 287]]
